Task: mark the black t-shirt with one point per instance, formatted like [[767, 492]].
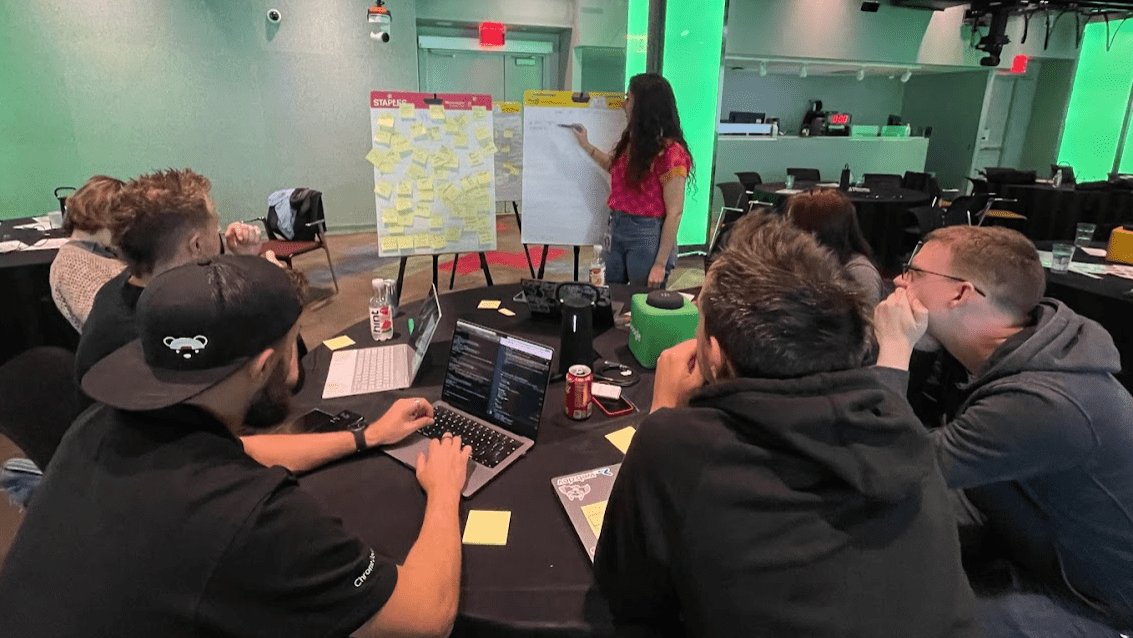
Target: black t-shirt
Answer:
[[158, 524], [110, 324]]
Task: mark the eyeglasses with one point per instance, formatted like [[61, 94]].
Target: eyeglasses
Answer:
[[909, 267]]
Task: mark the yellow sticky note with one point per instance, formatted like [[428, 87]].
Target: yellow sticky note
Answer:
[[435, 134], [485, 527], [424, 210], [595, 513], [338, 342], [486, 237], [384, 189], [389, 242], [375, 156], [423, 240], [621, 438], [382, 138], [490, 148], [406, 218], [404, 204], [505, 312], [415, 171], [483, 178], [425, 196], [390, 216], [475, 158], [421, 156], [417, 130], [488, 304], [405, 242], [507, 133], [452, 233], [425, 184], [460, 140], [438, 241], [511, 169], [401, 147], [386, 120], [479, 112], [436, 222], [387, 167], [406, 109], [466, 183], [436, 112], [405, 188], [483, 133]]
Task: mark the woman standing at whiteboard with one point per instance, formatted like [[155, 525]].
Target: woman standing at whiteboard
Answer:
[[648, 169]]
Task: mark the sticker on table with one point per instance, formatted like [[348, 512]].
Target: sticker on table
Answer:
[[339, 342], [486, 527], [595, 513], [622, 438], [488, 304]]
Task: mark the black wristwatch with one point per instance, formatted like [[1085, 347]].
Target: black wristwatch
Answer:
[[354, 423]]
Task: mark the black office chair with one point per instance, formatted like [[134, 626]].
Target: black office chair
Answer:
[[750, 179], [881, 180], [805, 174], [734, 193], [40, 400]]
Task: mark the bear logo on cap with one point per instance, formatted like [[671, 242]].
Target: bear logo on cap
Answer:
[[186, 346]]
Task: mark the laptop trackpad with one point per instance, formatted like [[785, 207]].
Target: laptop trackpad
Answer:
[[408, 448]]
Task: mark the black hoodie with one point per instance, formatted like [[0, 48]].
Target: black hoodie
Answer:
[[1042, 440], [801, 507]]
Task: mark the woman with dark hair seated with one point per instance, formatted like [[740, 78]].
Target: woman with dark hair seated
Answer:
[[829, 215]]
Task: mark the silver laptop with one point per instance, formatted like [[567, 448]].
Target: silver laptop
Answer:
[[492, 397], [584, 497], [381, 368]]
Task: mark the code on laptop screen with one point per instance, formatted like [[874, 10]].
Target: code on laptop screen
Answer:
[[497, 377]]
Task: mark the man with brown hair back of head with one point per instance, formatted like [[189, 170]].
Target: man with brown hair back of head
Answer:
[[778, 488], [1031, 425]]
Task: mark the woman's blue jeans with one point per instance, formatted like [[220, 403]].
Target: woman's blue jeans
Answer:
[[634, 241]]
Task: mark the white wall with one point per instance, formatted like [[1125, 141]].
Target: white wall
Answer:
[[787, 97]]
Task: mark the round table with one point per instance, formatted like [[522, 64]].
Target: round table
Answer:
[[883, 214], [1052, 213], [31, 318], [541, 581]]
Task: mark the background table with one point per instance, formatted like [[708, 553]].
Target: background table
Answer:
[[883, 214], [29, 317], [541, 581], [1052, 213], [1103, 300]]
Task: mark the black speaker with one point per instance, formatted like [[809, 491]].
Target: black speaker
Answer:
[[576, 338]]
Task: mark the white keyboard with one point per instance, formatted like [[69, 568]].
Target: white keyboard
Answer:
[[373, 370]]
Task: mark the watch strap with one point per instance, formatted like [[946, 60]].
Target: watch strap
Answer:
[[359, 438]]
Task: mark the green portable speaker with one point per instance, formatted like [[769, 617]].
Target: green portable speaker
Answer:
[[670, 320]]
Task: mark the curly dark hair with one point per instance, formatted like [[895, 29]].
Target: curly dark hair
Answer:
[[652, 123]]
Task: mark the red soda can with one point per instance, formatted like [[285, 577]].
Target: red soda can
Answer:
[[577, 404]]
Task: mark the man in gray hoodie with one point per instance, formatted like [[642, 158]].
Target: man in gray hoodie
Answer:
[[1033, 427]]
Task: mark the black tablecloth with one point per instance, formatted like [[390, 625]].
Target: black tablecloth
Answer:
[[29, 316], [882, 212], [1052, 213], [541, 580], [1103, 300]]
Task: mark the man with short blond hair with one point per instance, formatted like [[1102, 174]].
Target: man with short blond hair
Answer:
[[1031, 425]]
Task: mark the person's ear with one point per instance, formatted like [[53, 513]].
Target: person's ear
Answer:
[[195, 244], [259, 368], [721, 367], [966, 293]]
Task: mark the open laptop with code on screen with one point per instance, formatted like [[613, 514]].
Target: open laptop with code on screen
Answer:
[[492, 397]]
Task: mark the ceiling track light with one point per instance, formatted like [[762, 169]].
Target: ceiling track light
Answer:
[[861, 74]]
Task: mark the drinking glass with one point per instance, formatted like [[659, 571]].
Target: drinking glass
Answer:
[[1084, 234], [1062, 255]]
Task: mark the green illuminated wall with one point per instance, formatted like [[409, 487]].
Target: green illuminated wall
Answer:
[[1098, 101], [637, 37], [691, 63]]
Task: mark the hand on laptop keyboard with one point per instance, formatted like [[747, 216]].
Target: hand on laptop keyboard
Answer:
[[489, 447], [402, 418]]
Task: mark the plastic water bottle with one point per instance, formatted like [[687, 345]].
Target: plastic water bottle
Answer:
[[598, 267], [381, 318], [1058, 178]]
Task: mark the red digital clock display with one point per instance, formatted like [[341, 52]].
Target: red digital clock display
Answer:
[[839, 118]]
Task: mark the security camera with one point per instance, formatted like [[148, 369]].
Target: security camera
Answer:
[[381, 20], [274, 16]]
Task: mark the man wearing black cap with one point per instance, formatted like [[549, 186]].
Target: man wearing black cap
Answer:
[[153, 521]]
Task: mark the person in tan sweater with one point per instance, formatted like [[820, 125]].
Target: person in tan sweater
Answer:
[[86, 262]]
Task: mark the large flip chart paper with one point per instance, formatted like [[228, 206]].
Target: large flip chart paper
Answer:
[[508, 120], [434, 173], [564, 191]]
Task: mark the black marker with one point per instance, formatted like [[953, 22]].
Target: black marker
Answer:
[[573, 127]]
